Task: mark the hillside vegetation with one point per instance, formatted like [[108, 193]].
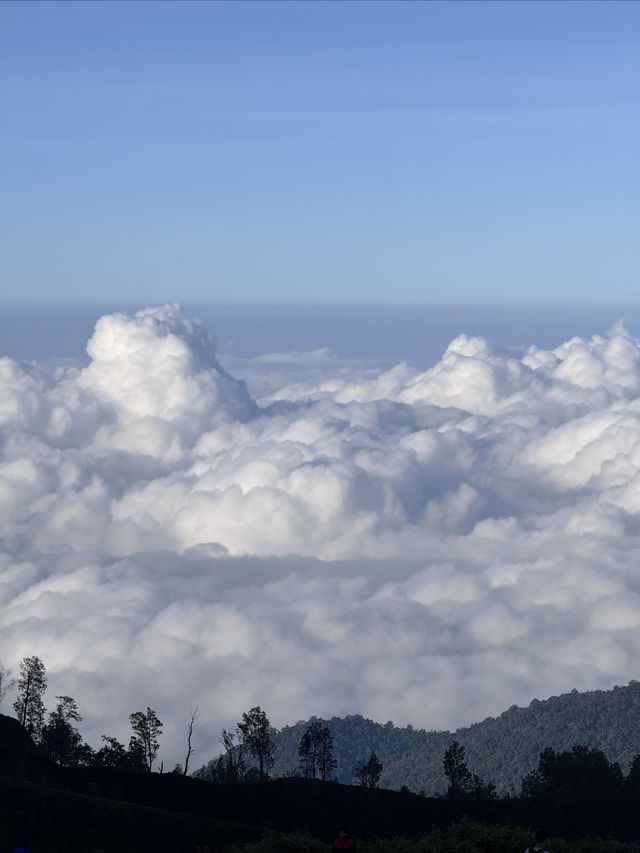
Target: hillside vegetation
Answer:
[[502, 749]]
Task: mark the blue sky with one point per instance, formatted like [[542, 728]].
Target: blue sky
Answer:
[[462, 153]]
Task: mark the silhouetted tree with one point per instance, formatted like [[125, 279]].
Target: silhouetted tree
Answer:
[[232, 764], [632, 781], [112, 754], [146, 730], [60, 740], [459, 778], [315, 752], [583, 772], [307, 754], [367, 773], [257, 736], [462, 784], [217, 770], [137, 759], [84, 755], [325, 761], [228, 767], [192, 722], [29, 706]]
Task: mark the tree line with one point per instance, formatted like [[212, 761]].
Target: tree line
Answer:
[[255, 737], [57, 735], [502, 748], [248, 750], [582, 772]]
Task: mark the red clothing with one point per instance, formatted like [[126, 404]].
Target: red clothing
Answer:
[[347, 843]]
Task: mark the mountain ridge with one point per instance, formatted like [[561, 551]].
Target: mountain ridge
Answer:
[[501, 749]]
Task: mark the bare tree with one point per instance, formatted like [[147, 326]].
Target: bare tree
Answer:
[[192, 722], [6, 682]]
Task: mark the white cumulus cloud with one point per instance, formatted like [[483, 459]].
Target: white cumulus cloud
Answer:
[[428, 547]]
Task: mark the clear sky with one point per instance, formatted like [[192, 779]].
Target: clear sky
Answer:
[[458, 152]]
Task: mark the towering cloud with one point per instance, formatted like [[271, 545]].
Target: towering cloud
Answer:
[[428, 547]]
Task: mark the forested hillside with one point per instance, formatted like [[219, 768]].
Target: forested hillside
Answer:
[[502, 749]]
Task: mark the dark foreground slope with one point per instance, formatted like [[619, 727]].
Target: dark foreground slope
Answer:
[[57, 819], [502, 749], [95, 809]]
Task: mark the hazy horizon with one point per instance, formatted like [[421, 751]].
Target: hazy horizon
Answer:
[[416, 333]]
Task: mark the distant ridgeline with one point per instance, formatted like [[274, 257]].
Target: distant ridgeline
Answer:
[[501, 749]]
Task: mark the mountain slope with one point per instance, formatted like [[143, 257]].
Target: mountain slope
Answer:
[[501, 748]]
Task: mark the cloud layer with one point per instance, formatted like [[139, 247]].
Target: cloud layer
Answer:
[[428, 547]]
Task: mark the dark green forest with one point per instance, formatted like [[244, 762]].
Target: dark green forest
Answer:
[[501, 749]]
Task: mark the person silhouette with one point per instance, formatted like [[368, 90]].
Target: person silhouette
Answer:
[[344, 841]]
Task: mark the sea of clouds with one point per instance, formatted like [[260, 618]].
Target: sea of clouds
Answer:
[[315, 535]]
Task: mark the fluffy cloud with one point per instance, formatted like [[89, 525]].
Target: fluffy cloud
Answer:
[[429, 547]]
